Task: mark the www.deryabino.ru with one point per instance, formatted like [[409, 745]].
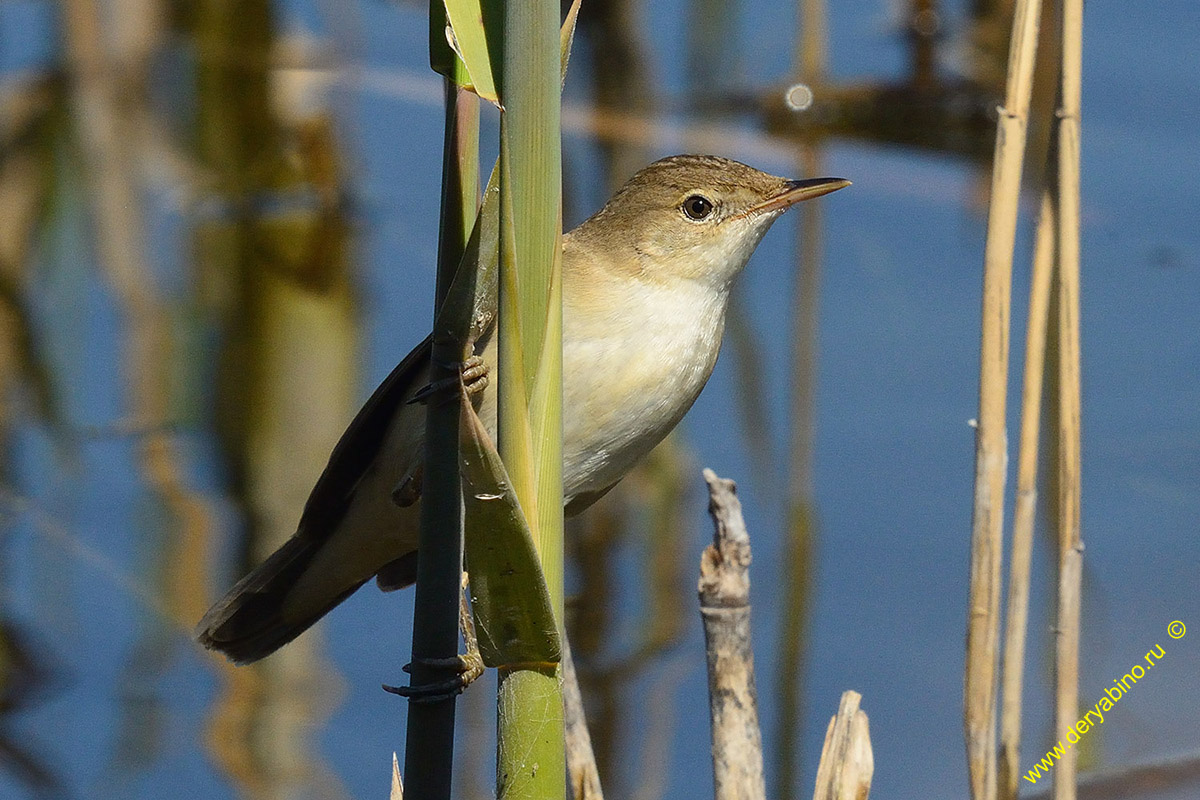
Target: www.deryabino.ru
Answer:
[[1095, 716]]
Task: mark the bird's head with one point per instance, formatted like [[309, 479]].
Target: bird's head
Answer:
[[696, 217]]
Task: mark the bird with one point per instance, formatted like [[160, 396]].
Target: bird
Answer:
[[645, 287]]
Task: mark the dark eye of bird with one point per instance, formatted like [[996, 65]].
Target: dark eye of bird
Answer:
[[697, 207]]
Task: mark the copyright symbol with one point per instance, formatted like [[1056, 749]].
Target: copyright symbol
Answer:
[[1176, 630]]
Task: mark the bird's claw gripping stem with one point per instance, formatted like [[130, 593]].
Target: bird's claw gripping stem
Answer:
[[474, 376], [466, 667]]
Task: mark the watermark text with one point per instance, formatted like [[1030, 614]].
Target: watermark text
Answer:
[[1094, 716]]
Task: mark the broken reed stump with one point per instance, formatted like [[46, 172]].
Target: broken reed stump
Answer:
[[725, 609], [847, 763]]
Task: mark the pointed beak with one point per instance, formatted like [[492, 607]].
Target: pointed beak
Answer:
[[797, 191]]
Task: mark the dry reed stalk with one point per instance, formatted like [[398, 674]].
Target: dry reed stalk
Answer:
[[847, 763], [991, 446], [1070, 561], [725, 609], [1027, 463], [583, 778], [397, 792]]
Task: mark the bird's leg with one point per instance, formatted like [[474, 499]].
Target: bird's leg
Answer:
[[472, 659], [474, 376], [465, 668], [408, 490]]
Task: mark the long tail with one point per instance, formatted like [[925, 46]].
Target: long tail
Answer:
[[350, 513], [248, 623]]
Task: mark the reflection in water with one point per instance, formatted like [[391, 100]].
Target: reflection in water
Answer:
[[175, 529], [929, 109], [800, 513], [620, 76], [647, 510], [22, 680], [110, 118], [26, 123], [714, 67], [273, 275]]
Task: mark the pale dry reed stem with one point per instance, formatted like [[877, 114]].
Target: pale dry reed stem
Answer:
[[397, 792], [1070, 540], [725, 609], [991, 445], [582, 776], [847, 763], [1027, 464]]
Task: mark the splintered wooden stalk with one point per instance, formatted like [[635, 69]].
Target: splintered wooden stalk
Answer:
[[847, 762], [725, 610]]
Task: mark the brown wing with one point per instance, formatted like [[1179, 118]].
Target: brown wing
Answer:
[[359, 446]]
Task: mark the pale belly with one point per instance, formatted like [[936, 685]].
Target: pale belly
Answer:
[[625, 390], [617, 405]]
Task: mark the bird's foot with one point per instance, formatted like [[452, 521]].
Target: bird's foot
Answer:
[[465, 668], [474, 376]]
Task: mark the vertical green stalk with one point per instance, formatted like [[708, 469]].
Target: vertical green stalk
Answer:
[[429, 744], [530, 761]]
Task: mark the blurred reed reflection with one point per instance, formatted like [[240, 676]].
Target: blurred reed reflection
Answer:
[[269, 283], [646, 518], [273, 278], [26, 390], [929, 108], [620, 75], [23, 682]]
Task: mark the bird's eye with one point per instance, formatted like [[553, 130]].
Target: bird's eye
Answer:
[[697, 207]]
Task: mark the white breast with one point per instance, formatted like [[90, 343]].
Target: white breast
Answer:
[[629, 377]]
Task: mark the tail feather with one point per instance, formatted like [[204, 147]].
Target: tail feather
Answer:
[[348, 521], [248, 623]]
